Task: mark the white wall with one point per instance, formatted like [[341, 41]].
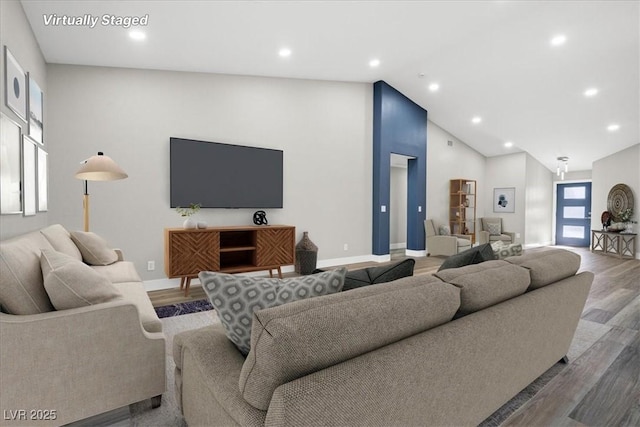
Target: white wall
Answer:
[[622, 167], [446, 162], [502, 172], [16, 34], [538, 204], [324, 129]]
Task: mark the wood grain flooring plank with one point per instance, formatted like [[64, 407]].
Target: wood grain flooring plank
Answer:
[[629, 317], [597, 315], [618, 390], [562, 394]]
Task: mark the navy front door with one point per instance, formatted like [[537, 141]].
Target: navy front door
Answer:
[[573, 214]]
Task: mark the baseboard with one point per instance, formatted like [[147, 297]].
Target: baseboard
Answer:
[[415, 254]]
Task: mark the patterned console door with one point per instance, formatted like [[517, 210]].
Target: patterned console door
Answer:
[[275, 246], [192, 251]]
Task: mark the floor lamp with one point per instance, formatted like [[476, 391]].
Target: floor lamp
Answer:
[[97, 168]]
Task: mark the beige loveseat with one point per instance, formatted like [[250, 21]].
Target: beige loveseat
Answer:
[[59, 366], [441, 350]]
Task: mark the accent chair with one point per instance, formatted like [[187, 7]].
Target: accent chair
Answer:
[[493, 231], [441, 244]]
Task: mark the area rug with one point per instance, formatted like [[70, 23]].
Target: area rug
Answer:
[[182, 308]]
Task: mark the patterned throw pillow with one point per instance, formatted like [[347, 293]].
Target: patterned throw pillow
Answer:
[[235, 298], [444, 230], [505, 251], [494, 228]]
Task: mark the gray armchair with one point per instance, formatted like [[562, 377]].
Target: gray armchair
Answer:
[[447, 245], [492, 231]]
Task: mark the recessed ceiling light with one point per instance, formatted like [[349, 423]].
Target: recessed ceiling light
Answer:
[[476, 120], [137, 35], [433, 87], [613, 127], [508, 144], [558, 40], [592, 91], [374, 63], [284, 52]]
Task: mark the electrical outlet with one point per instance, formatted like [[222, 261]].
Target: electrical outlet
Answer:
[[346, 246], [151, 265], [517, 235]]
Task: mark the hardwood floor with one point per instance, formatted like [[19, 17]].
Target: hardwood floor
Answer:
[[601, 387]]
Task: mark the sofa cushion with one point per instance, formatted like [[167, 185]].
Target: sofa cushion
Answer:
[[296, 339], [21, 284], [61, 241], [236, 298], [547, 266], [71, 284], [134, 292], [486, 284], [119, 272], [444, 230], [94, 249], [475, 255]]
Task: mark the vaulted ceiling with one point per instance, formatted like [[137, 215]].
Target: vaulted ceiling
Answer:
[[490, 59]]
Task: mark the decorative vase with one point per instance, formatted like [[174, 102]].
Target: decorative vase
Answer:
[[628, 228], [306, 255], [190, 223]]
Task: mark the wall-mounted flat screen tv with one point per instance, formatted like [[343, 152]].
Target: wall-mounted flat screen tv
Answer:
[[224, 176]]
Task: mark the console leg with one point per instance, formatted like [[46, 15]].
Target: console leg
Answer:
[[279, 272], [565, 360], [186, 286], [182, 279], [156, 401]]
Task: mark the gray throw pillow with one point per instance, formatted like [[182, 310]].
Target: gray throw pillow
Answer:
[[236, 298], [71, 284], [94, 249], [475, 255]]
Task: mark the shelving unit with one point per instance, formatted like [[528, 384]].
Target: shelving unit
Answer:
[[462, 207], [228, 250]]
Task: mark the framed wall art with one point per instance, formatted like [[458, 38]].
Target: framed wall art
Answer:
[[504, 199], [29, 175], [15, 85], [43, 180], [35, 111], [10, 166]]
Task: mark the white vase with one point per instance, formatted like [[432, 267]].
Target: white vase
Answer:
[[190, 223], [628, 228]]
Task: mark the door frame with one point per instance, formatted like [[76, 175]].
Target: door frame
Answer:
[[555, 204]]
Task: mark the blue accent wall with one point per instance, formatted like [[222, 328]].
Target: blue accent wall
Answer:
[[400, 127]]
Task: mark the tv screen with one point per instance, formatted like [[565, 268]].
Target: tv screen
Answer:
[[224, 176]]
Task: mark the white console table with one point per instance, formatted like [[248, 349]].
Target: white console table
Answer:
[[622, 245]]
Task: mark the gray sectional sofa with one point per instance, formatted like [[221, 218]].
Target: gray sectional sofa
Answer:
[[66, 364], [433, 350]]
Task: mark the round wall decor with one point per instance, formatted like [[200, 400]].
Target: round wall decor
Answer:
[[620, 199]]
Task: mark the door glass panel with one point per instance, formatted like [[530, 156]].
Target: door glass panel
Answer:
[[573, 212], [573, 231], [574, 192]]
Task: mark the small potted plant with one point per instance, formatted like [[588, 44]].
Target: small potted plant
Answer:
[[187, 213], [626, 217]]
